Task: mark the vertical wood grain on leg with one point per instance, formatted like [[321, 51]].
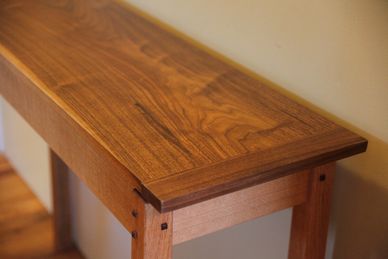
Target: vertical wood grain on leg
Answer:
[[310, 220], [153, 237], [61, 216]]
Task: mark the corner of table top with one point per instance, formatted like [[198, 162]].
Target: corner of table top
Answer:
[[186, 188]]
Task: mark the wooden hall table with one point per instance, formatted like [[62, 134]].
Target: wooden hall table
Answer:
[[175, 142]]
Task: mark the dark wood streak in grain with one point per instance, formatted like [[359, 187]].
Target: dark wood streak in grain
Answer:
[[162, 108], [163, 130]]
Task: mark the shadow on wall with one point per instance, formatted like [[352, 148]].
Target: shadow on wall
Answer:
[[95, 230], [360, 205]]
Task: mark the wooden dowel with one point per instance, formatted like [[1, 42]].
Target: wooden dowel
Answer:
[[153, 237]]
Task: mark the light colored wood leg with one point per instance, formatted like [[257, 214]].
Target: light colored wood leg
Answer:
[[310, 220], [153, 237], [61, 216]]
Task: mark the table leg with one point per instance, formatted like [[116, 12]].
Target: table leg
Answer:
[[61, 215], [310, 220], [153, 237]]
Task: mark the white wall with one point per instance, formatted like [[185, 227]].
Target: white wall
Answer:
[[27, 152], [331, 53]]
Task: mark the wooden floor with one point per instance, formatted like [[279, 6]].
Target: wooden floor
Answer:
[[25, 225]]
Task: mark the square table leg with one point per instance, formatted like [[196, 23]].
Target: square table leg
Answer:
[[61, 203], [310, 220], [153, 237]]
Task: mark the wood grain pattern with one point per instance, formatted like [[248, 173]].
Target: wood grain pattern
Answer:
[[151, 240], [240, 206], [170, 117], [61, 203], [25, 225], [89, 160], [181, 190], [310, 220]]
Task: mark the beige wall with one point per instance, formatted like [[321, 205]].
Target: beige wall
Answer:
[[333, 54]]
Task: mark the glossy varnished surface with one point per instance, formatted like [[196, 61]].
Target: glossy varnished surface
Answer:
[[186, 125]]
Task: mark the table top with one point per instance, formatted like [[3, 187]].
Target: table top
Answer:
[[185, 124]]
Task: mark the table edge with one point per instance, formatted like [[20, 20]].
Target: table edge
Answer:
[[168, 201]]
